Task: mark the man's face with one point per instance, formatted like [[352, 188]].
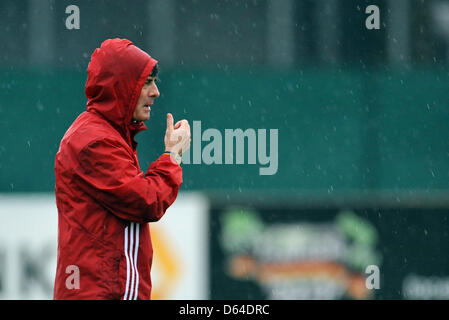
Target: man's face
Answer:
[[147, 95]]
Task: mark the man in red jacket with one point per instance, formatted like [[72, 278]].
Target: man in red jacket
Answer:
[[105, 202]]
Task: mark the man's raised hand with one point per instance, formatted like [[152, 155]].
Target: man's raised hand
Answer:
[[177, 137]]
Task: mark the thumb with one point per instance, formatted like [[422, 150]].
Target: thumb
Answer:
[[169, 122]]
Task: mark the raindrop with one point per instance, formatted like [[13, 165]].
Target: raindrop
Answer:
[[39, 106], [214, 16]]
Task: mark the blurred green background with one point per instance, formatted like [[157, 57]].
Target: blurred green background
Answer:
[[356, 109], [338, 129]]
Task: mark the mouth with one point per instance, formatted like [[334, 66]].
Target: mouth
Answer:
[[147, 107]]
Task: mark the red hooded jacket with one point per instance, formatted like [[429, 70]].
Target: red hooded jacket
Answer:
[[105, 202]]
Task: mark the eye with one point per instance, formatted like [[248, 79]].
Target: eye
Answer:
[[149, 80]]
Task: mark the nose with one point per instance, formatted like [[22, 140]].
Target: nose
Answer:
[[154, 91]]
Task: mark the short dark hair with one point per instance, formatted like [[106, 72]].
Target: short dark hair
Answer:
[[154, 71], [153, 74]]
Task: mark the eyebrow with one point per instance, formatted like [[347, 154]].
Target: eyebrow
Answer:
[[150, 78]]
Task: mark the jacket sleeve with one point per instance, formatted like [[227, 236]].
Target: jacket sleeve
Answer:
[[107, 173]]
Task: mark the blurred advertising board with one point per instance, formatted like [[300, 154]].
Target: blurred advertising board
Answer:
[[283, 252], [28, 245], [181, 262]]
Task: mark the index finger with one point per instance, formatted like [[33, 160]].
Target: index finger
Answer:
[[169, 122]]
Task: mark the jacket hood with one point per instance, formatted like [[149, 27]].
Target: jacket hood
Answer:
[[116, 74]]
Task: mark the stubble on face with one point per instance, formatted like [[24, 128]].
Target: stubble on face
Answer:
[[147, 95]]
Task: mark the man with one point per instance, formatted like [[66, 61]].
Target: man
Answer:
[[105, 202]]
